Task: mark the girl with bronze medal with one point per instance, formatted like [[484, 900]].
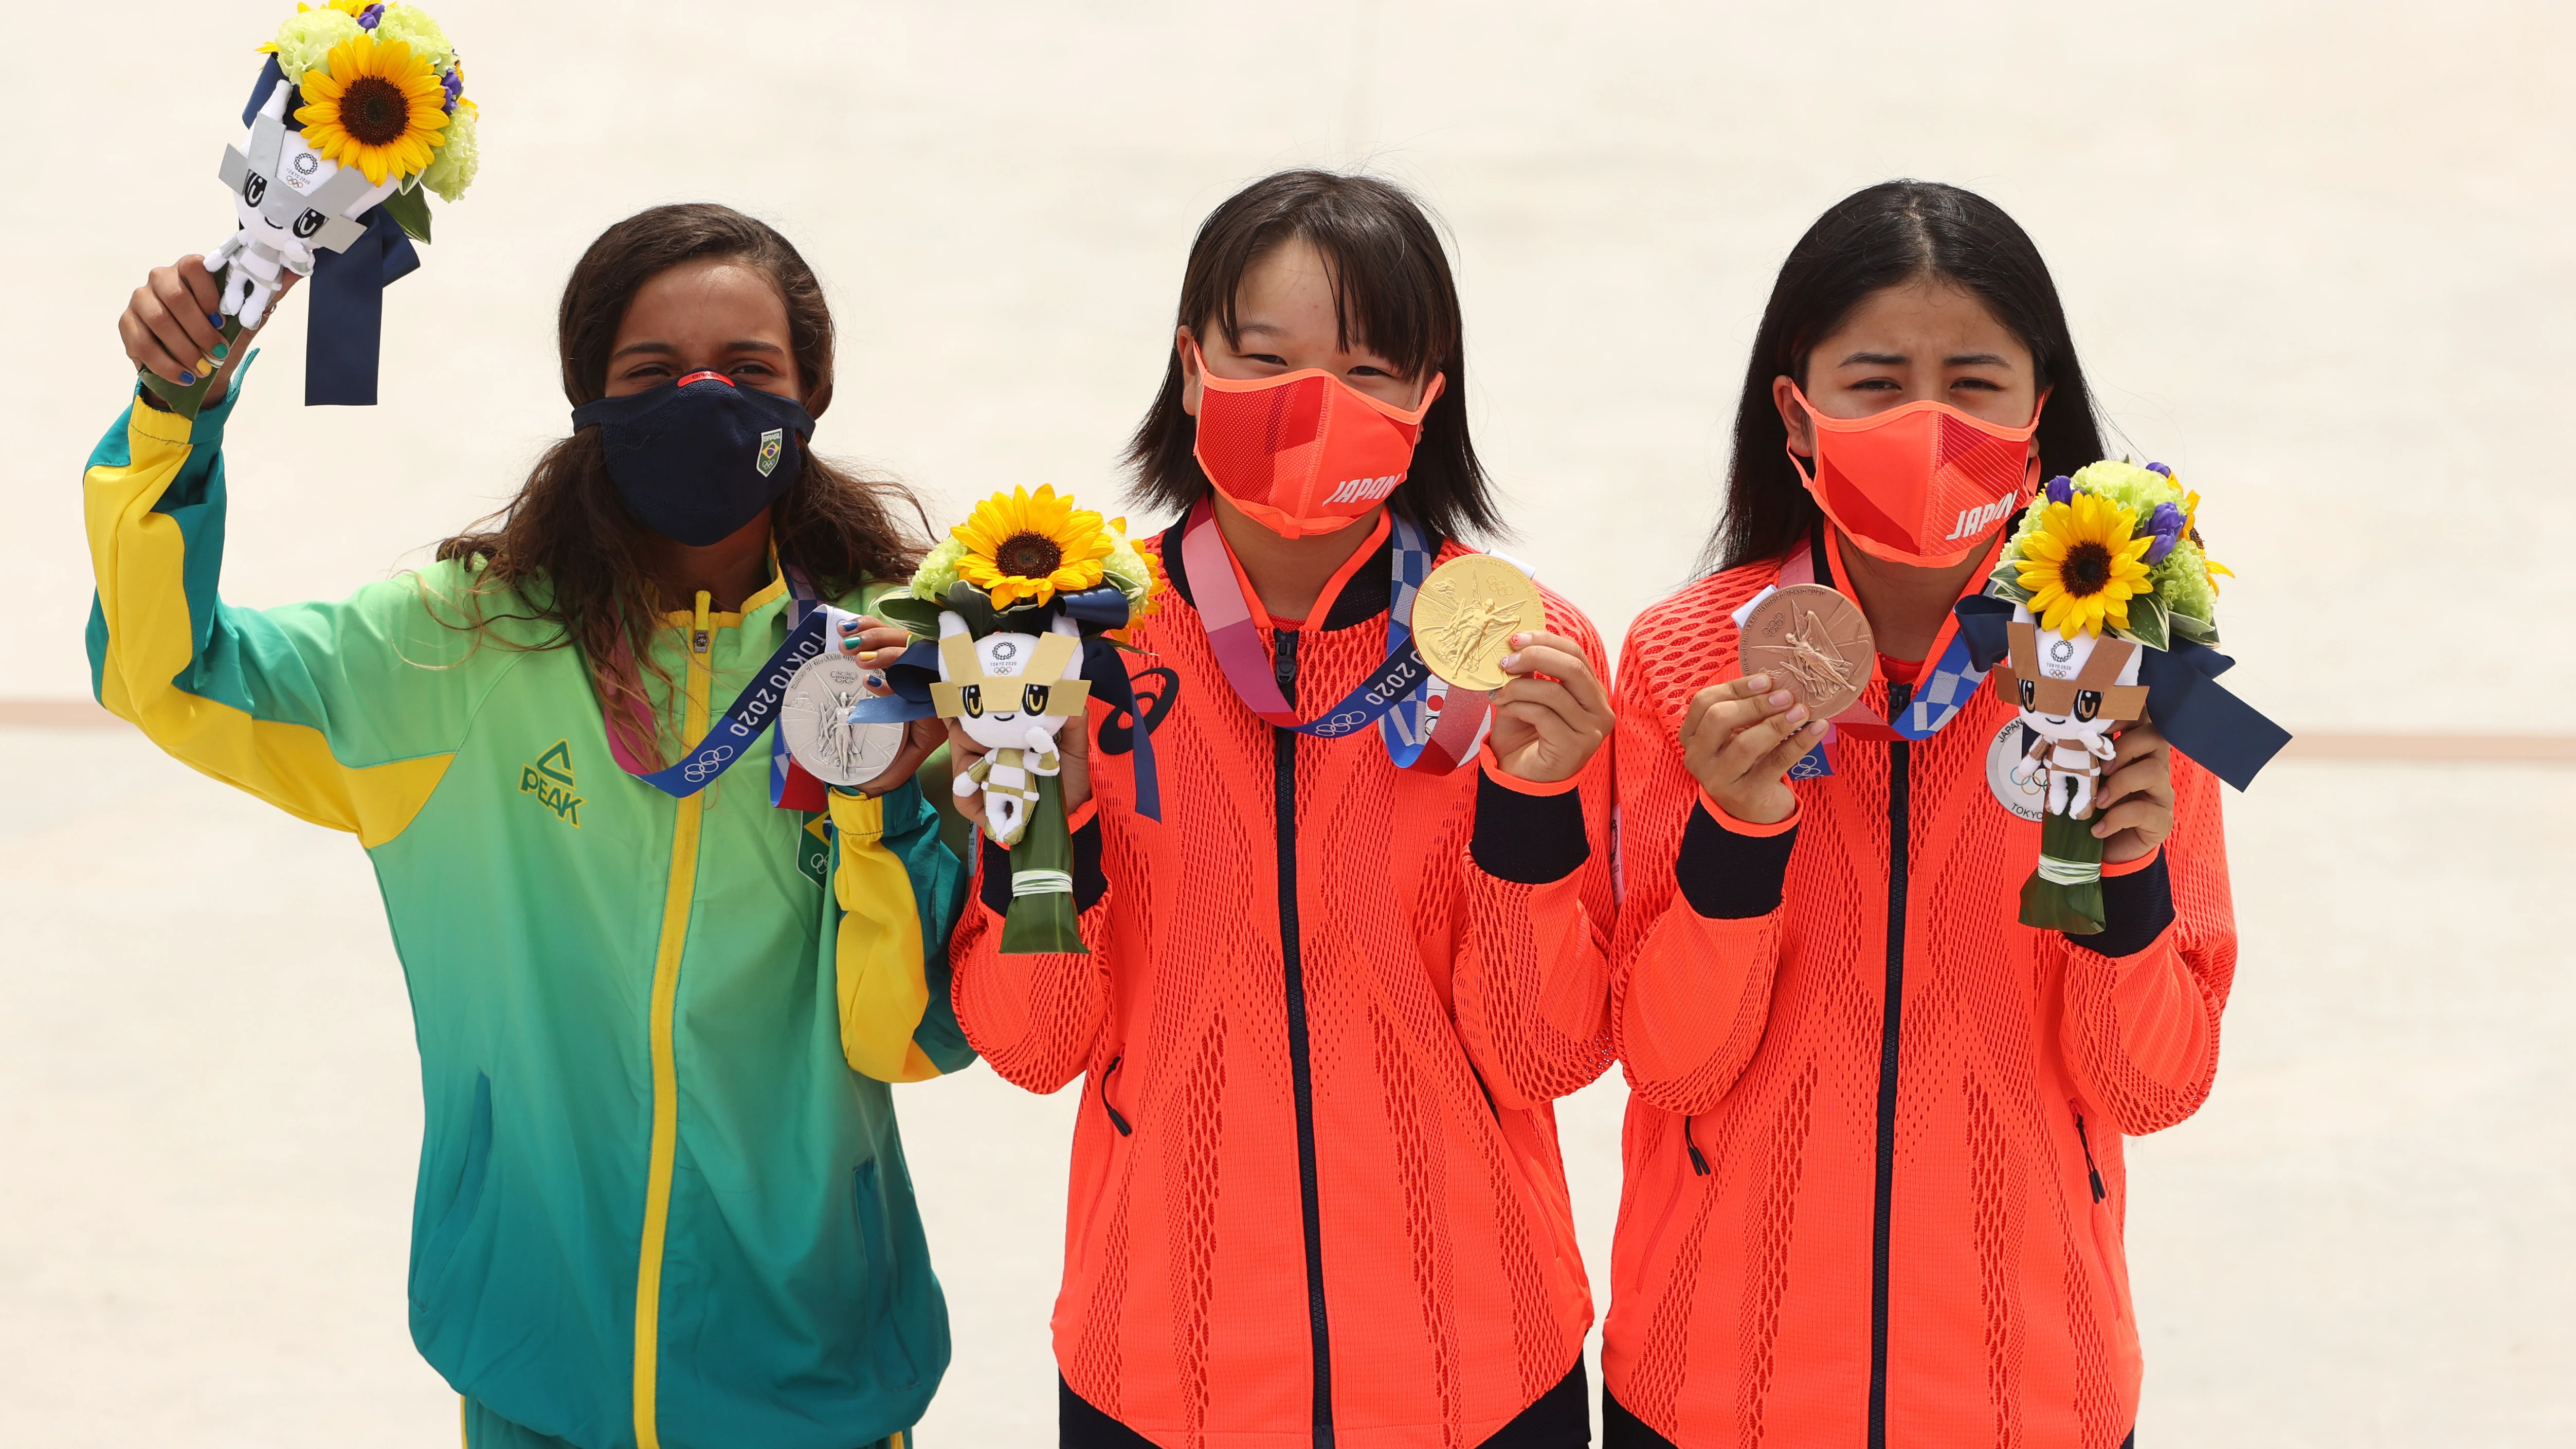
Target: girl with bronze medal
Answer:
[[1336, 973], [1874, 1177]]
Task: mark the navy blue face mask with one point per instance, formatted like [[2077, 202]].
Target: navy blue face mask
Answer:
[[697, 460]]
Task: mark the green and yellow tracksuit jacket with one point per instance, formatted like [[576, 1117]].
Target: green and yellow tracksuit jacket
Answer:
[[662, 1204]]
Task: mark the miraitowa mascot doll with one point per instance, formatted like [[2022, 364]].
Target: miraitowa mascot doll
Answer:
[[358, 113], [1010, 693], [1017, 617], [2102, 610]]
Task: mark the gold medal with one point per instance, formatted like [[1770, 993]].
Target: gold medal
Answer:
[[1813, 642], [1464, 617]]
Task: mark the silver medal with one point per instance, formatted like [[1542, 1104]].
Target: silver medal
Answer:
[[815, 722], [2027, 801]]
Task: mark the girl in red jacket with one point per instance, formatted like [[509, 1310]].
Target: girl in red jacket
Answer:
[[1347, 936], [1874, 1185]]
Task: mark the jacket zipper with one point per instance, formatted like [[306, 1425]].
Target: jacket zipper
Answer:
[[1283, 753], [1890, 1025], [678, 894]]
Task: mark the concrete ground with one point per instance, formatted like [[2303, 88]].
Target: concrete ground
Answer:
[[2317, 258]]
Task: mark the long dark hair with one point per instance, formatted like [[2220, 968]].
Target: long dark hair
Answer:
[[1890, 234], [1391, 289], [568, 545]]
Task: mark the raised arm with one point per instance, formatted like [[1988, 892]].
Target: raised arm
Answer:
[[1699, 929], [1035, 1018], [1536, 901], [342, 713]]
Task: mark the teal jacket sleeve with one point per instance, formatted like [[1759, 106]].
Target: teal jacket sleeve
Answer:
[[896, 893], [345, 713]]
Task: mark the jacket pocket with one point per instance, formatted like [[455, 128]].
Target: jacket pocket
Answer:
[[2108, 1252], [1117, 1119], [439, 1248]]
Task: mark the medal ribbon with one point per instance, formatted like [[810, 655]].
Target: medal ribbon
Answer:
[[1945, 688], [754, 710], [1401, 695]]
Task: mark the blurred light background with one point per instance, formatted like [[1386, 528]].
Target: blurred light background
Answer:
[[2318, 258]]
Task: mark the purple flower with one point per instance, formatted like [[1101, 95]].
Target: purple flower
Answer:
[[368, 17], [454, 83], [2166, 524], [2160, 468], [2061, 489]]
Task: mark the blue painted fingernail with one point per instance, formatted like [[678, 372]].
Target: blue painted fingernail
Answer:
[[216, 318], [222, 351], [187, 379]]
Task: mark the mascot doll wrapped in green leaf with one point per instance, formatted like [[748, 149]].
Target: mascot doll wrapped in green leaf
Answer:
[[1016, 615], [358, 114], [2102, 610]]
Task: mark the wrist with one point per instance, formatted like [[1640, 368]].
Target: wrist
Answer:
[[1768, 807]]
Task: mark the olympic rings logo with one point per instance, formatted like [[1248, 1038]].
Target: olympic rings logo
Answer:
[[1341, 724], [707, 765]]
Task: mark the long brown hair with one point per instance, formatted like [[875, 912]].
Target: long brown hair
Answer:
[[568, 545]]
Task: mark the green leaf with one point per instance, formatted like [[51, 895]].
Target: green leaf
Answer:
[[920, 616], [2148, 618], [976, 608], [2198, 631], [410, 209]]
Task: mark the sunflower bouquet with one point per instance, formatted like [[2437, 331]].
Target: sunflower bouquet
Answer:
[[1014, 613], [2102, 609], [2115, 546], [358, 114]]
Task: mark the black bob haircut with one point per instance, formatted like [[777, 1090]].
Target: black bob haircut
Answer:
[[1885, 236], [1393, 293]]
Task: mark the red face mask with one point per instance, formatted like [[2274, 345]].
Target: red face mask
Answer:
[[1923, 484], [1305, 452]]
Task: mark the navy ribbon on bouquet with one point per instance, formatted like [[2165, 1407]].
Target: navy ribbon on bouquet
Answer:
[[344, 331], [2197, 715]]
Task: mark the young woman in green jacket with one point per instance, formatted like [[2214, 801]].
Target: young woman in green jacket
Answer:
[[661, 1202]]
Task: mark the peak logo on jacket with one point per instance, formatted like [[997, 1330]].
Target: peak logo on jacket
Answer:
[[550, 780]]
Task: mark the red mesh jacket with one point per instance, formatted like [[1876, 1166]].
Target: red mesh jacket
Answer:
[[1316, 1194], [1873, 1178]]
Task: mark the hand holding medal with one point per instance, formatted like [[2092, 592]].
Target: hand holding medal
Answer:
[[1805, 654], [1480, 624]]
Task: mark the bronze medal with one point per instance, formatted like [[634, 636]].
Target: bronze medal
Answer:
[[1464, 617], [1813, 642]]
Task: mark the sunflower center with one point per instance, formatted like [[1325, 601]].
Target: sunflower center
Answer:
[[2086, 570], [1028, 555], [373, 111]]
